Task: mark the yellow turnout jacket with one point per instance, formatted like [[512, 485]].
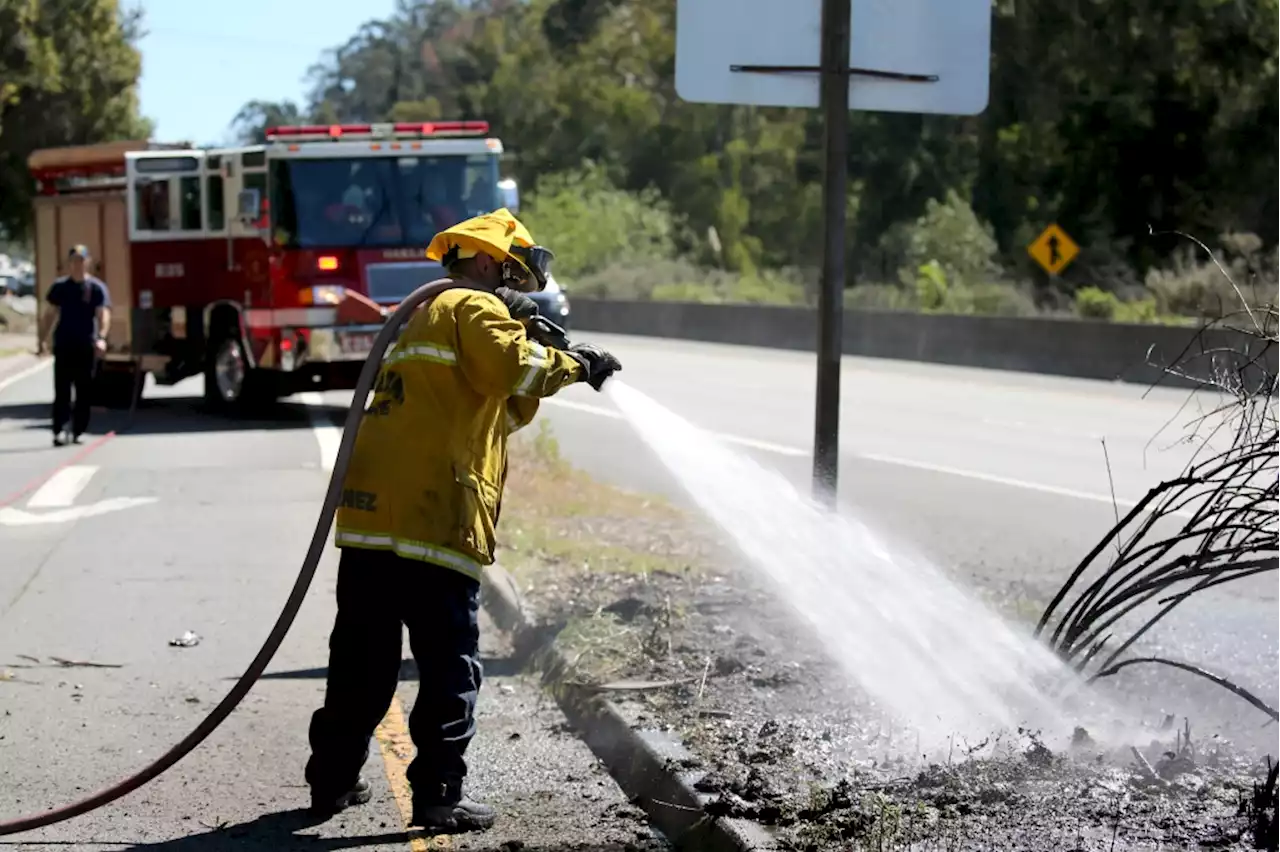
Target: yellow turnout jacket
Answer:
[[430, 460]]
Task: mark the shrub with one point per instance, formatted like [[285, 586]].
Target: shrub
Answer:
[[947, 244], [1097, 304], [992, 298], [638, 279], [679, 280], [881, 297], [590, 224], [1193, 285]]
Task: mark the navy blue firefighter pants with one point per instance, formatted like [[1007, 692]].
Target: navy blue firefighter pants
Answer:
[[377, 593]]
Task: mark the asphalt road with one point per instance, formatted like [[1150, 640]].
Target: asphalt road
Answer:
[[201, 527], [999, 478]]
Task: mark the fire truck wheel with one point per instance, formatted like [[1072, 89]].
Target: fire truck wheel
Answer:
[[229, 383]]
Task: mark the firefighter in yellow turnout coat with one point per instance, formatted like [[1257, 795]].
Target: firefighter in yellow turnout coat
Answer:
[[420, 506]]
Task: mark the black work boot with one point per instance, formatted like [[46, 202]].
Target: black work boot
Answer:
[[330, 804], [452, 813]]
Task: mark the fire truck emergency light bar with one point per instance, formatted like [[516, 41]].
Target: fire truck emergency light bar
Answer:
[[386, 130]]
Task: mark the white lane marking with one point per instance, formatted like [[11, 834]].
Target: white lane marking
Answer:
[[61, 489], [29, 371], [767, 446], [875, 457], [1021, 426], [1016, 483], [328, 434], [11, 517]]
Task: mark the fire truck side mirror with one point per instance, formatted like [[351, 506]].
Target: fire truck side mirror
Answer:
[[510, 194], [249, 205]]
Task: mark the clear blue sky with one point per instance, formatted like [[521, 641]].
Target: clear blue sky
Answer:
[[202, 61]]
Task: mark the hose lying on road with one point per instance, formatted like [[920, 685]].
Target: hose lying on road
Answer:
[[318, 540]]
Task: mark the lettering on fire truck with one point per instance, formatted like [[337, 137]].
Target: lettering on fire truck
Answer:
[[170, 270], [403, 254]]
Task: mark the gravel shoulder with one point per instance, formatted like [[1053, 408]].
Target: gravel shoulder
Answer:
[[647, 606]]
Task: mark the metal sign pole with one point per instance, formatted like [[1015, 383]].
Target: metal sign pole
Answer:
[[942, 44], [834, 62]]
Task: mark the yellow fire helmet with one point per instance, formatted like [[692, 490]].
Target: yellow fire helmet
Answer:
[[501, 236]]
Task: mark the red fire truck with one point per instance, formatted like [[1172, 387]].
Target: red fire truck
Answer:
[[268, 269]]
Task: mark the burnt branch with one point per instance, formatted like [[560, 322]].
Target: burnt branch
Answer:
[[1215, 523], [1195, 670]]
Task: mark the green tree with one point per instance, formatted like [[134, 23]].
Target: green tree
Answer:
[[591, 224], [1112, 119], [254, 118], [69, 77], [951, 235]]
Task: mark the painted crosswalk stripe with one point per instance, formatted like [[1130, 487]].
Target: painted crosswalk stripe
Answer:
[[63, 487], [328, 434]]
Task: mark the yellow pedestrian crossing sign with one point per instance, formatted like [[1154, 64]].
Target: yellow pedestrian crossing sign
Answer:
[[1053, 250]]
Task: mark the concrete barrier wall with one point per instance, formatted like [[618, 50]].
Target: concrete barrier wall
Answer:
[[1064, 347]]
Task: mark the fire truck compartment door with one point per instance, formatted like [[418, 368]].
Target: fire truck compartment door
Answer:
[[99, 221]]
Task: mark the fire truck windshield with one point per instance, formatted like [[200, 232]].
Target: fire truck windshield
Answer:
[[378, 201]]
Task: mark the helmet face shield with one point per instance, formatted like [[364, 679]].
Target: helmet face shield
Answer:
[[536, 260]]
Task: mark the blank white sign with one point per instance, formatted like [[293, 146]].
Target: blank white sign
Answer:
[[947, 38]]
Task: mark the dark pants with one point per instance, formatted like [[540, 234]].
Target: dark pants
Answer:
[[72, 368], [378, 591]]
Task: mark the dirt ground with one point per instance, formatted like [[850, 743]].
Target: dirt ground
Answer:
[[13, 320], [644, 607]]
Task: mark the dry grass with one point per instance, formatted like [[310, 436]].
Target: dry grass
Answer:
[[592, 557], [558, 523]]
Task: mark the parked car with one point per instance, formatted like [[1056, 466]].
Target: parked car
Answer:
[[17, 285], [553, 303]]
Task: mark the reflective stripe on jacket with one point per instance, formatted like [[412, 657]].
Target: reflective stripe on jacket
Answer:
[[430, 460]]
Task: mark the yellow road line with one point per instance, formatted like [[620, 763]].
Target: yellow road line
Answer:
[[397, 750]]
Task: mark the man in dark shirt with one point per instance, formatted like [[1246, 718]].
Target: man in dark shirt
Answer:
[[81, 306]]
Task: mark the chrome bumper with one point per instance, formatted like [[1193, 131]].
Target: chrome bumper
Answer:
[[339, 343]]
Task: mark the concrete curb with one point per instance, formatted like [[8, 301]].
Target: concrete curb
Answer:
[[650, 766]]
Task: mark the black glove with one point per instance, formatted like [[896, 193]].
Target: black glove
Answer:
[[518, 304], [597, 365]]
